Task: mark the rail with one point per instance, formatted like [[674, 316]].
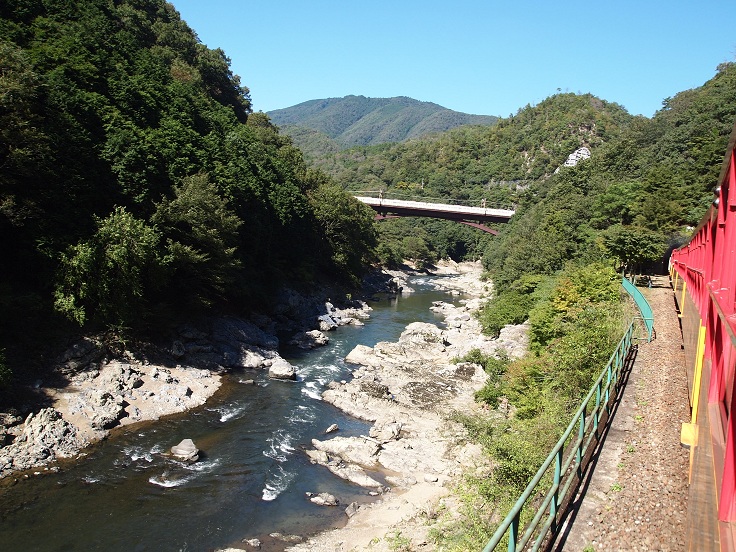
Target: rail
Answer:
[[555, 484]]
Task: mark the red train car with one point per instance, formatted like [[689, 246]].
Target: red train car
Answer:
[[704, 279]]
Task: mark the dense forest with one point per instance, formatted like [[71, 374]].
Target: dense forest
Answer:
[[646, 183], [136, 183]]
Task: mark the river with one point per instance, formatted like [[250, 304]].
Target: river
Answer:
[[251, 480]]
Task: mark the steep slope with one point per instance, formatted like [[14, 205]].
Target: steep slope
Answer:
[[638, 194], [465, 162], [136, 185]]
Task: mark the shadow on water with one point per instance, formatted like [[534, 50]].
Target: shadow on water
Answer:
[[127, 494]]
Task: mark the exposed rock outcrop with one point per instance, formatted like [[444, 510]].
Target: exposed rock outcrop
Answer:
[[45, 437], [281, 369]]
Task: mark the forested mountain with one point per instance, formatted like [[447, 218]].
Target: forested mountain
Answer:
[[135, 183], [494, 163], [640, 191], [468, 161], [647, 179], [322, 126]]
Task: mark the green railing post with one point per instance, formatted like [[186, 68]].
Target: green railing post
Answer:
[[563, 455], [555, 499], [579, 453], [514, 532], [597, 412]]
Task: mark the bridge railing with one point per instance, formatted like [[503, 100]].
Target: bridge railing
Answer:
[[445, 200], [555, 484], [705, 269]]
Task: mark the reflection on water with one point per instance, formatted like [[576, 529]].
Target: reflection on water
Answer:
[[251, 479]]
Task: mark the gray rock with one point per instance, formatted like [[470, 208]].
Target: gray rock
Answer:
[[191, 333], [286, 538], [235, 330], [252, 359], [103, 408], [177, 349], [375, 389], [326, 323], [324, 499], [318, 457], [386, 432], [280, 369], [309, 340], [352, 509], [45, 436], [186, 451], [80, 355], [255, 543], [354, 450]]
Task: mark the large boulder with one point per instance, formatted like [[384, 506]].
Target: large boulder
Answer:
[[323, 499], [280, 369], [186, 451], [79, 356], [45, 437], [354, 450], [309, 340], [326, 323], [362, 355], [236, 331], [103, 408]]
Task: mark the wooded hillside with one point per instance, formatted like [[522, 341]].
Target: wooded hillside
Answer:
[[135, 183]]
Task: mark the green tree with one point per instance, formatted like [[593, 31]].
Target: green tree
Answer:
[[633, 246], [348, 234], [416, 249], [108, 278], [202, 237]]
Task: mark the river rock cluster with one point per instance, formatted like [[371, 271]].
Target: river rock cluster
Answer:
[[96, 387], [408, 389]]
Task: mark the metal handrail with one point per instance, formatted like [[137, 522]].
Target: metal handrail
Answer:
[[646, 311], [601, 397]]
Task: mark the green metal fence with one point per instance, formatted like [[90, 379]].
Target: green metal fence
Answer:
[[644, 308], [568, 460], [570, 457]]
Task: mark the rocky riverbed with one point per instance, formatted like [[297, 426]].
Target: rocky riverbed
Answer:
[[414, 452], [93, 388], [410, 457]]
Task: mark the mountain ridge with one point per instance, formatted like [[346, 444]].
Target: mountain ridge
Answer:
[[360, 121]]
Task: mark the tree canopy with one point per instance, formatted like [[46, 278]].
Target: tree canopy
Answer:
[[135, 180]]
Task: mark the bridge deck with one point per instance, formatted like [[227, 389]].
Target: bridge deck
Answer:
[[436, 208]]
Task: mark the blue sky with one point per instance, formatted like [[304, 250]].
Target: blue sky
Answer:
[[483, 57]]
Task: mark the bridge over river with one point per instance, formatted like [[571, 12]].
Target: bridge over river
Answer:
[[475, 214]]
